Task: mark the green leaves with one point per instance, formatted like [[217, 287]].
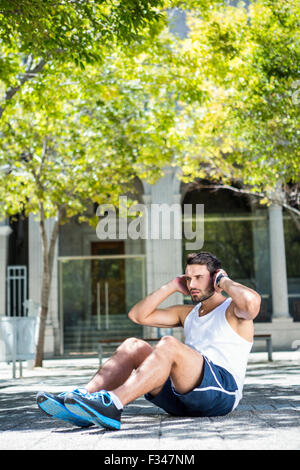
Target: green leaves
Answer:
[[74, 27], [33, 33], [73, 138], [247, 124], [219, 103]]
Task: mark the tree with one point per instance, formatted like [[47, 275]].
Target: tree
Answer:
[[72, 139], [245, 126], [35, 32], [51, 139]]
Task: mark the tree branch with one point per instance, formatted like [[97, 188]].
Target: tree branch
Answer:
[[291, 209], [29, 73]]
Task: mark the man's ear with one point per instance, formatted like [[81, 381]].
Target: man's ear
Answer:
[[213, 273]]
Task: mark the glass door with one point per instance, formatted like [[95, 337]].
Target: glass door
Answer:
[[108, 280], [96, 294]]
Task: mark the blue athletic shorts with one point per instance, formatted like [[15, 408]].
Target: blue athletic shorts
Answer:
[[215, 396]]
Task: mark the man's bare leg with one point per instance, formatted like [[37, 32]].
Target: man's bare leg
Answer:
[[129, 355], [169, 358]]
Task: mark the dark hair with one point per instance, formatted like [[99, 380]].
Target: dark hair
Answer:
[[204, 257]]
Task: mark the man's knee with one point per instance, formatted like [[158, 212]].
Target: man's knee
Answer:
[[168, 343], [135, 345], [168, 340]]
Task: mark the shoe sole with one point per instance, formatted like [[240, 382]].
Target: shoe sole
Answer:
[[85, 411], [57, 410]]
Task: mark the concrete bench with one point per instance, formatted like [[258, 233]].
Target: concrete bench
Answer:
[[268, 339], [117, 341]]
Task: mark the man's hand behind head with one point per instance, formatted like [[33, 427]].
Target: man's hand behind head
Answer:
[[180, 284], [215, 279]]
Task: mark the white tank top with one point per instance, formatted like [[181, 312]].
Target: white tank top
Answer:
[[212, 336]]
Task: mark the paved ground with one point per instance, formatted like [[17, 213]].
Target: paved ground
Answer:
[[268, 417]]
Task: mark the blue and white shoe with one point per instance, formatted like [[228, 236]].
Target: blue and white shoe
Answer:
[[98, 407], [53, 405]]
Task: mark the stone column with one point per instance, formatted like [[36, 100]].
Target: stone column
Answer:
[[261, 252], [163, 256], [5, 231], [278, 263], [284, 331], [35, 283]]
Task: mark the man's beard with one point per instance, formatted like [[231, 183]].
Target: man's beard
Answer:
[[196, 298]]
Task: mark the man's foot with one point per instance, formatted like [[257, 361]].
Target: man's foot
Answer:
[[98, 407], [53, 405]]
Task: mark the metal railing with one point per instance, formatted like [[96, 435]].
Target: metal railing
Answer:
[[16, 289]]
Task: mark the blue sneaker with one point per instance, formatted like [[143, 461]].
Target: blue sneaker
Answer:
[[98, 407], [53, 405]]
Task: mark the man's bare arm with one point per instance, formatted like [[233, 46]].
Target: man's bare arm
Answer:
[[246, 301], [145, 312]]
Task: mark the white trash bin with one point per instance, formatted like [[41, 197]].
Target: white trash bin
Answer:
[[17, 340]]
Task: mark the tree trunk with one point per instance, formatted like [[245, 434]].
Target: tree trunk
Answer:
[[39, 355], [48, 258]]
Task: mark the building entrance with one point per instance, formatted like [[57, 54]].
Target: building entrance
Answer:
[[108, 279], [96, 294]]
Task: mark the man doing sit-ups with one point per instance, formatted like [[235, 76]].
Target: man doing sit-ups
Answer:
[[203, 377]]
